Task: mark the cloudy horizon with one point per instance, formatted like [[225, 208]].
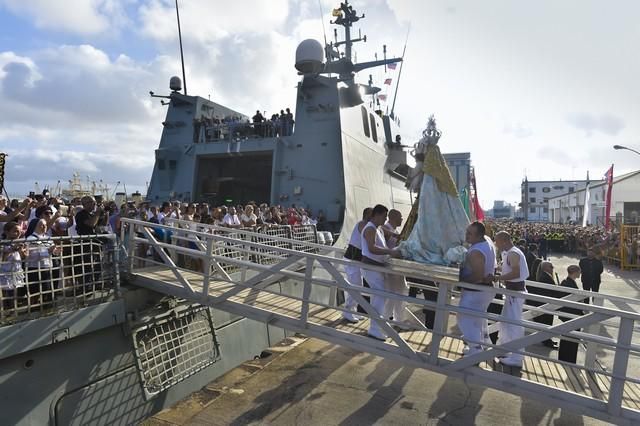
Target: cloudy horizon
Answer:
[[542, 89]]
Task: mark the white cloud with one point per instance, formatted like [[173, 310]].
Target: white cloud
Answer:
[[207, 21], [84, 17]]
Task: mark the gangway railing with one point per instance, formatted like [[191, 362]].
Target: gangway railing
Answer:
[[606, 391], [49, 275]]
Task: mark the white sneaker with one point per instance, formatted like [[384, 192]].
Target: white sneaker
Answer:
[[510, 361], [350, 317], [377, 336], [407, 326], [472, 350]]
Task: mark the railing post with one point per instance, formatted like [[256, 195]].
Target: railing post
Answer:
[[206, 267], [306, 292], [595, 328], [440, 323], [131, 249], [620, 363]]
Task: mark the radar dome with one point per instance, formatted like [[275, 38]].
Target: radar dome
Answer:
[[309, 56], [175, 84]]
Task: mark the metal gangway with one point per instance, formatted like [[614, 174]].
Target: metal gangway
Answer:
[[237, 271]]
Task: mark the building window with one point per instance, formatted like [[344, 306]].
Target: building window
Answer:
[[571, 189], [545, 210], [374, 131], [558, 187], [546, 189], [365, 121], [532, 210], [532, 199], [532, 190], [545, 199]]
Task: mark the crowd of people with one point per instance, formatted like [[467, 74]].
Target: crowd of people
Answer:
[[522, 248], [27, 226], [571, 239], [235, 127]]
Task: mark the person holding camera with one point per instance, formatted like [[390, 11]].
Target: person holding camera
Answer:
[[87, 219]]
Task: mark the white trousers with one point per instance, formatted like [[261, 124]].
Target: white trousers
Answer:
[[512, 310], [354, 277], [474, 329], [376, 280], [395, 308]]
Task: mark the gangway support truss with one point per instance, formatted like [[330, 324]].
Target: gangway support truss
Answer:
[[237, 270]]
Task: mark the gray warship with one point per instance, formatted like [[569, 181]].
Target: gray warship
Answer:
[[114, 353]]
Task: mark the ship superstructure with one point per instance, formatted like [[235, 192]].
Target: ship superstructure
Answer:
[[342, 155]]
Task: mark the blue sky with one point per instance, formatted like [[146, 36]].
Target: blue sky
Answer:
[[543, 88]]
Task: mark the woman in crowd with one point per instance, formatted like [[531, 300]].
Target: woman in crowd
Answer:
[[42, 274], [12, 277], [248, 218]]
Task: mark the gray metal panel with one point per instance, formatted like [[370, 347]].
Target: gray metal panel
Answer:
[[29, 335]]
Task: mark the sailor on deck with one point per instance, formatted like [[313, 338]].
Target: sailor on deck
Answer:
[[354, 276], [514, 273], [376, 252], [478, 268]]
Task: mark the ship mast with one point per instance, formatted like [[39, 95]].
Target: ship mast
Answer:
[[343, 64]]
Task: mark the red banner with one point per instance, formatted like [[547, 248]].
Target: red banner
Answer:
[[475, 203], [609, 179]]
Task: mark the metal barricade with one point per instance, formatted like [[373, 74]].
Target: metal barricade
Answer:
[[45, 276], [305, 234], [629, 241]]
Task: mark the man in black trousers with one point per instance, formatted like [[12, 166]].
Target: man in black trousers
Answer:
[[592, 269]]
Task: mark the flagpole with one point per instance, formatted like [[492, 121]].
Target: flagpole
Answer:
[[609, 190], [587, 199], [395, 95], [184, 76]]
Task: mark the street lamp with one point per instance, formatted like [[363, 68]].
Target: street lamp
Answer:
[[627, 148]]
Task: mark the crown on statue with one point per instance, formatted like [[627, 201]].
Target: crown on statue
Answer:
[[431, 135]]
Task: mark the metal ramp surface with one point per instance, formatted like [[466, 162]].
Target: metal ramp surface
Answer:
[[243, 266]]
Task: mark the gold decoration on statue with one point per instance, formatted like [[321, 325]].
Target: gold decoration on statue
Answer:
[[435, 166]]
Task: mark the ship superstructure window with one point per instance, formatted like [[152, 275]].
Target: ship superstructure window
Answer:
[[374, 131], [172, 164], [161, 165], [365, 121]]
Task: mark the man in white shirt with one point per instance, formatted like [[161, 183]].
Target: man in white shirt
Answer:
[[513, 275], [231, 219], [397, 283]]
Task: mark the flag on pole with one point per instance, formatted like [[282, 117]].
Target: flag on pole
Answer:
[[609, 179], [587, 198], [392, 66], [473, 195], [387, 81]]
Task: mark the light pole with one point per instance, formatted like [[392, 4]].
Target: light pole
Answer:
[[627, 148]]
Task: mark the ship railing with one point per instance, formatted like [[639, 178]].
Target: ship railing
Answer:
[[601, 382], [241, 130], [303, 238], [57, 274]]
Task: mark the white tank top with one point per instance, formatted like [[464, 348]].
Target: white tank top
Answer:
[[382, 258], [356, 237], [506, 268], [488, 254]]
